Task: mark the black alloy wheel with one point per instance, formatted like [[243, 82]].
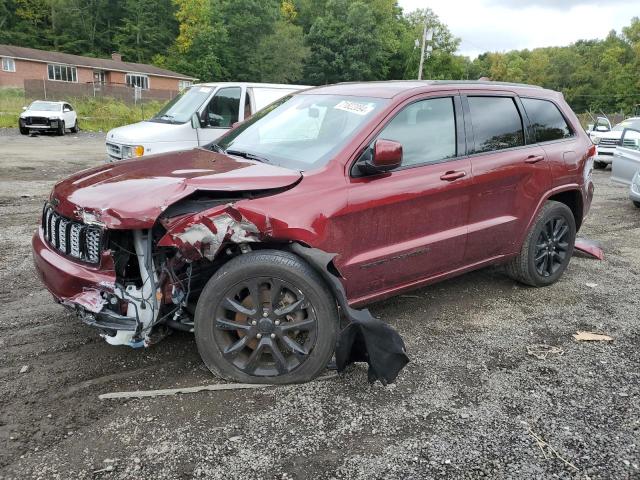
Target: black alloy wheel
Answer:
[[552, 246], [265, 326]]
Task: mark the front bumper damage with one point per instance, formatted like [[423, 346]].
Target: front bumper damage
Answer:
[[124, 314]]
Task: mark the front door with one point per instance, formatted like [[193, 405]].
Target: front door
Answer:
[[219, 115], [510, 175], [626, 158], [410, 224]]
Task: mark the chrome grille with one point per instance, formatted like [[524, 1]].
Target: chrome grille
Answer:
[[80, 241], [114, 150], [608, 142]]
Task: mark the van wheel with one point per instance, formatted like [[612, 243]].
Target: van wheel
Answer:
[[266, 317], [599, 165], [61, 128], [548, 247]]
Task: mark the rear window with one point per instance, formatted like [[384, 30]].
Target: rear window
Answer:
[[547, 121], [496, 123]]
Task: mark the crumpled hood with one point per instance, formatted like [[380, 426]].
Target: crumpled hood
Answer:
[[132, 194], [142, 132]]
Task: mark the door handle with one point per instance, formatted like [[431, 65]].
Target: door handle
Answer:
[[452, 175], [534, 159]]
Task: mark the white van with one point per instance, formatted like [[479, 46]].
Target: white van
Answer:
[[198, 116]]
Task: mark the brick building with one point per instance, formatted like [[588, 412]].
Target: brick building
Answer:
[[18, 64]]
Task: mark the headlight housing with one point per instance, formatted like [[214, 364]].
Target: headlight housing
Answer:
[[595, 140], [133, 151]]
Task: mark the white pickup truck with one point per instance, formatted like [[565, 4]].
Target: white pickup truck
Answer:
[[198, 116]]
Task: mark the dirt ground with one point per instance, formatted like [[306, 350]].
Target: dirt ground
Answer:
[[472, 403]]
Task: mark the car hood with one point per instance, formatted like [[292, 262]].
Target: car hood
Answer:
[[142, 132], [132, 194], [40, 113], [610, 134]]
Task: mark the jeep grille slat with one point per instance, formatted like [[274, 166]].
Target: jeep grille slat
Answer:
[[70, 237]]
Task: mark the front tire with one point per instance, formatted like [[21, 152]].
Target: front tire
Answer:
[[23, 130], [599, 165], [61, 128], [266, 317], [548, 247], [636, 203]]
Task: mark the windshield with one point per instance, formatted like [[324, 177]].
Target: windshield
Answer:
[[301, 132], [45, 106], [630, 123], [182, 107]]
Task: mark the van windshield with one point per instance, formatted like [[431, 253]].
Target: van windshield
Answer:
[[302, 132], [182, 107]]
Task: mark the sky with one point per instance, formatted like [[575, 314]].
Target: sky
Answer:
[[501, 25]]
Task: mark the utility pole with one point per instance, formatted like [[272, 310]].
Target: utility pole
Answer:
[[427, 36]]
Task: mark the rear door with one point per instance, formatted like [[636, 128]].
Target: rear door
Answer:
[[510, 174], [410, 224], [626, 158]]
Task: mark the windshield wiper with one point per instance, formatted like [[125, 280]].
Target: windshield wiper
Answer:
[[215, 147], [250, 156]]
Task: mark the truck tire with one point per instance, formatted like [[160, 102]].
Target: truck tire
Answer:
[[547, 248], [266, 317]]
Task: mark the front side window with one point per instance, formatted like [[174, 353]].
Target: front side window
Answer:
[[8, 64], [426, 130], [136, 80], [547, 121], [302, 132], [62, 73], [630, 139], [223, 109], [496, 123]]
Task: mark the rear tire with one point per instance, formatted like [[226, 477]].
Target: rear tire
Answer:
[[547, 248], [251, 341], [599, 165], [61, 128], [23, 130], [637, 204], [75, 128]]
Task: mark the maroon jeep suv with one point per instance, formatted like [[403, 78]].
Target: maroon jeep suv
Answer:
[[336, 196]]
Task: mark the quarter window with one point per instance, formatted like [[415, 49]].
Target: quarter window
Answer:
[[496, 123], [546, 120], [136, 80], [223, 109], [8, 64], [426, 130], [62, 73]]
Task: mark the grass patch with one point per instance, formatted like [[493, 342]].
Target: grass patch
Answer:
[[95, 114]]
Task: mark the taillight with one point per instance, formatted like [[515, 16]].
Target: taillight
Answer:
[[588, 164], [592, 151]]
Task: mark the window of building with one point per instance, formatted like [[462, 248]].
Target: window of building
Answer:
[[137, 80], [546, 120], [99, 77], [426, 130], [62, 73], [182, 84], [8, 64], [496, 123]]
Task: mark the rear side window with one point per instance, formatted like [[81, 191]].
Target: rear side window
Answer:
[[426, 130], [496, 123], [546, 120]]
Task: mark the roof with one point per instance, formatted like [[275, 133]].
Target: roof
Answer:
[[253, 85], [390, 89], [23, 53]]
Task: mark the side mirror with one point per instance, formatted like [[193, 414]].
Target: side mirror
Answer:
[[601, 128], [24, 109], [195, 121], [386, 156]]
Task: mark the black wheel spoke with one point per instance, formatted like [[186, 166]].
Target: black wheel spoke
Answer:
[[278, 358], [233, 350], [302, 325], [224, 324], [286, 310], [231, 304], [275, 291], [562, 231], [254, 358], [294, 346]]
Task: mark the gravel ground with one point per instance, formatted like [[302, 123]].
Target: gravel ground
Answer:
[[470, 404]]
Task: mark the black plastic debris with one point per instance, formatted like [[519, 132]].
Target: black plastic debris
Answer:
[[366, 338]]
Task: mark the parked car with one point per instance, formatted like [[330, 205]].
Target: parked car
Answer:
[[196, 117], [626, 163], [395, 185], [608, 140], [43, 115]]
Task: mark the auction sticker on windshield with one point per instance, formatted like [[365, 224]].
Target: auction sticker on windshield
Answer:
[[355, 107]]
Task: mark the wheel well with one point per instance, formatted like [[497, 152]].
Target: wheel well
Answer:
[[573, 200]]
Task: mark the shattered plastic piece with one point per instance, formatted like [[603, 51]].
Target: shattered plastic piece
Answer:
[[542, 351], [92, 300], [591, 337], [24, 369], [589, 248], [366, 338]]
